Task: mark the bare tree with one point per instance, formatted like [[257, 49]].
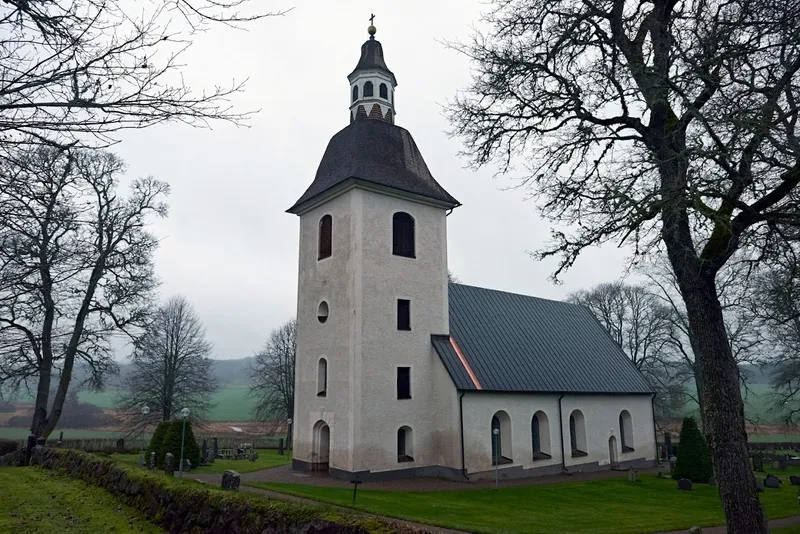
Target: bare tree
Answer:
[[79, 70], [272, 376], [776, 304], [452, 278], [171, 366], [641, 325], [667, 125], [77, 266]]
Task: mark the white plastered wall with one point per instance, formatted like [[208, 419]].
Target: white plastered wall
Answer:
[[601, 414]]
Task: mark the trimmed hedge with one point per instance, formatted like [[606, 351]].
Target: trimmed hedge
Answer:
[[694, 457], [183, 506]]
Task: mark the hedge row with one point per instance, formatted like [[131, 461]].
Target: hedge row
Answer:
[[184, 507]]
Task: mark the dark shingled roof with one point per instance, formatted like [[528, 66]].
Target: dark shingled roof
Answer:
[[520, 343], [378, 152], [372, 59]]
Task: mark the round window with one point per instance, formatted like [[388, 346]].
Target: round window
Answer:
[[322, 312]]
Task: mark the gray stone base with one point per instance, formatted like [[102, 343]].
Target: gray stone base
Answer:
[[448, 473]]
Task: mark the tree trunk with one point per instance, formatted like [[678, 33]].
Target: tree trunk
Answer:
[[722, 405], [39, 422]]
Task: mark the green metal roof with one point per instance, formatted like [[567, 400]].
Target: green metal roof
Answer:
[[515, 342]]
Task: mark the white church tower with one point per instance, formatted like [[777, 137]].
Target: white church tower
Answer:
[[372, 290]]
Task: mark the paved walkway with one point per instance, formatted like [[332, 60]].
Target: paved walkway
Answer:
[[775, 523], [285, 475]]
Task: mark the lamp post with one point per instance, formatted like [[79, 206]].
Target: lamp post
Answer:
[[496, 432], [185, 416], [289, 435], [145, 411]]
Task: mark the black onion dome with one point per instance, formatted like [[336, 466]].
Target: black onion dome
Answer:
[[377, 152], [372, 59]]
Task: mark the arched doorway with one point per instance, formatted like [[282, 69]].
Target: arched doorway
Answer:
[[612, 451], [321, 450]]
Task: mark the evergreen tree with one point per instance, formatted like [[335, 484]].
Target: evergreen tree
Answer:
[[694, 457], [156, 441], [172, 443]]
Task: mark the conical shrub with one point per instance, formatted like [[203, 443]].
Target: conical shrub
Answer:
[[694, 457]]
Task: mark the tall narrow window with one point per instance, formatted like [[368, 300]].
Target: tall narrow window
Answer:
[[382, 91], [322, 378], [540, 436], [367, 89], [355, 93], [405, 444], [403, 235], [403, 314], [403, 382], [626, 431], [325, 236], [577, 433], [501, 438]]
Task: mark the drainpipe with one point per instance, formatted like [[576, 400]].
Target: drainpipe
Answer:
[[561, 433], [655, 433], [461, 417]]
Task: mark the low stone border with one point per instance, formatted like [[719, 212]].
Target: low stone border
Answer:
[[183, 508]]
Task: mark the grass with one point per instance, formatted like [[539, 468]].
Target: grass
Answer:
[[46, 502], [611, 505], [267, 458]]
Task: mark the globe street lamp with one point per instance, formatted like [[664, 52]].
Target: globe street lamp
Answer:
[[145, 411], [185, 416], [289, 435]]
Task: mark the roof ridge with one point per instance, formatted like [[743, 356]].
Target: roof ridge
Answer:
[[517, 294]]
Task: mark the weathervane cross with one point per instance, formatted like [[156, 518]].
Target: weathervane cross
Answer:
[[372, 19]]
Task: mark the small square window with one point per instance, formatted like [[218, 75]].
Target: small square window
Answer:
[[403, 382], [403, 314]]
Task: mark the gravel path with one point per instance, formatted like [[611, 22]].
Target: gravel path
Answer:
[[285, 475]]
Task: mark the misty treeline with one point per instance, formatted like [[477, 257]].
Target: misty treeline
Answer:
[[76, 256], [670, 127], [647, 318]]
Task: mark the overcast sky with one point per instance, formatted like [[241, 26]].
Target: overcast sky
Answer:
[[229, 246]]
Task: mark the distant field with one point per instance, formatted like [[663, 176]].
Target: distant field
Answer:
[[233, 404], [757, 404]]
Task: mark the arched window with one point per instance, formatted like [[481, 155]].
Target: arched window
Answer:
[[405, 444], [383, 91], [367, 89], [322, 378], [325, 237], [501, 438], [626, 431], [403, 235], [540, 436], [577, 434], [355, 93]]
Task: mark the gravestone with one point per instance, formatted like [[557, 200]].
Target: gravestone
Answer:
[[152, 464], [771, 481], [140, 461], [631, 475], [169, 464], [120, 445], [783, 462], [214, 448], [685, 484], [794, 480], [231, 480], [759, 486], [204, 450], [187, 465], [672, 461], [280, 447], [758, 463]]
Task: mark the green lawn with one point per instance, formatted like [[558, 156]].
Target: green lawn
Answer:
[[611, 505], [266, 458], [45, 502]]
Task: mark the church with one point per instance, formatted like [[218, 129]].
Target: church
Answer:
[[400, 373]]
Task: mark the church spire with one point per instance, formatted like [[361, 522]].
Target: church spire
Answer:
[[372, 84]]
